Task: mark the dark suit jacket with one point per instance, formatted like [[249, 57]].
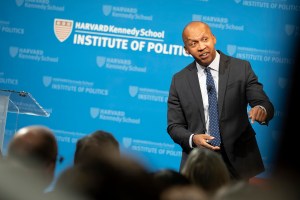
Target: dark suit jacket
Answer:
[[238, 87]]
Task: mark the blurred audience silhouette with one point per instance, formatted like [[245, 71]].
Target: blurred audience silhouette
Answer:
[[120, 178], [35, 149], [286, 174], [98, 144], [167, 178], [100, 171], [240, 190], [184, 192], [206, 169]]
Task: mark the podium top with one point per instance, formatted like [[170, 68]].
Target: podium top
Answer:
[[23, 103]]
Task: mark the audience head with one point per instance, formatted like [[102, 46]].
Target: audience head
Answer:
[[34, 148], [98, 144], [206, 169], [184, 192], [119, 179], [243, 190], [166, 178]]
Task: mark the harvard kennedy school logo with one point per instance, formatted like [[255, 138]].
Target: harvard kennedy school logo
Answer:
[[63, 29]]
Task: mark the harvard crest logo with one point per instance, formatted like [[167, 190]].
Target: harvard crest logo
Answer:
[[63, 29]]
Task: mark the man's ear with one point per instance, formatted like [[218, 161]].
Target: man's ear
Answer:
[[215, 39]]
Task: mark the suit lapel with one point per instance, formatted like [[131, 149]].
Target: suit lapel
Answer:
[[223, 78], [195, 88]]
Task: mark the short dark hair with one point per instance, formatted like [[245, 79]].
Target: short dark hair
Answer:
[[96, 145]]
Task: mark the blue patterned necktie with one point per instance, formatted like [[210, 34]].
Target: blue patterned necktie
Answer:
[[212, 109]]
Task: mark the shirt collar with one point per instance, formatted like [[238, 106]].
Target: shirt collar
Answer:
[[214, 65]]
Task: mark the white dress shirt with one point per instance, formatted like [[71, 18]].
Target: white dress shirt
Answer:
[[214, 69]]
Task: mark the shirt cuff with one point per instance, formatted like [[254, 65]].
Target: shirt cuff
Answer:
[[263, 108], [264, 111], [191, 141]]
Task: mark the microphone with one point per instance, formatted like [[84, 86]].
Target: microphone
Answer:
[[208, 87]]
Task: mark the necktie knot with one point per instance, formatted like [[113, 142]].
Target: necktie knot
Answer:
[[209, 80]]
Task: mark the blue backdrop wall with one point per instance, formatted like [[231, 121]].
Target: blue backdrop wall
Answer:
[[108, 65]]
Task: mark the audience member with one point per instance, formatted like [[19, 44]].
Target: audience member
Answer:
[[98, 144], [206, 169], [166, 178], [32, 153], [184, 192], [120, 179], [35, 149], [286, 169], [17, 184], [243, 190]]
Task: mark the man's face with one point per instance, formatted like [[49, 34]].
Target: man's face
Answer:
[[200, 43]]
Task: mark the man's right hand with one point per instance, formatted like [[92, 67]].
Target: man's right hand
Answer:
[[203, 140]]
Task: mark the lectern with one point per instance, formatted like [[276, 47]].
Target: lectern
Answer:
[[18, 102]]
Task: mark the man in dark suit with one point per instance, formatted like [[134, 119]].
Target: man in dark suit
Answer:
[[236, 86]]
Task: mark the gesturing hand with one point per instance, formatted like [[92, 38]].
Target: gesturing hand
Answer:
[[257, 113], [203, 140]]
